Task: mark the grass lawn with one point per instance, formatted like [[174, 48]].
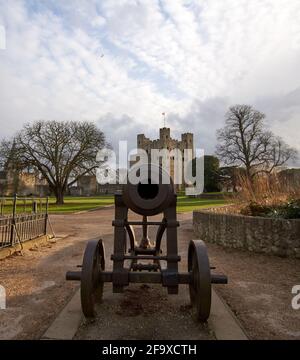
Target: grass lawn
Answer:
[[75, 204], [72, 204], [185, 203]]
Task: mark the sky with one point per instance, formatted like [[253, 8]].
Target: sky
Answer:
[[122, 63]]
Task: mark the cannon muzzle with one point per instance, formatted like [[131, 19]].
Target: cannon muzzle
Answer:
[[152, 194]]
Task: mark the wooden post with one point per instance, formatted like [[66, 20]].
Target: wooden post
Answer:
[[13, 221], [34, 206], [46, 215]]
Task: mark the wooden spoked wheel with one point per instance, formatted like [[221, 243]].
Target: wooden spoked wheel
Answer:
[[91, 290], [200, 285]]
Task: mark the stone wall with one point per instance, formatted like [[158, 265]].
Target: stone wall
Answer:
[[264, 235]]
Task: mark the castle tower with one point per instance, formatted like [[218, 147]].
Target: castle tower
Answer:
[[166, 142], [164, 137], [187, 140]]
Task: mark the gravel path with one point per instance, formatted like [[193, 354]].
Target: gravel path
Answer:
[[259, 291]]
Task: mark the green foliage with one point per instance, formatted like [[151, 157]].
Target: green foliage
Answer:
[[290, 210], [211, 173]]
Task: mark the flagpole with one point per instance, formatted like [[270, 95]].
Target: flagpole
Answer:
[[164, 115]]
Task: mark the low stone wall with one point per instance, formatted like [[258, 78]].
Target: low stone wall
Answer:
[[272, 236]]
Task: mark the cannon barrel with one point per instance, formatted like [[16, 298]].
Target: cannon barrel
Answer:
[[152, 194]]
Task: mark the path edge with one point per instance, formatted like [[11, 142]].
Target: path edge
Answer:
[[223, 322]]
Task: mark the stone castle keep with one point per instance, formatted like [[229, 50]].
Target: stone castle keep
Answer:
[[166, 142]]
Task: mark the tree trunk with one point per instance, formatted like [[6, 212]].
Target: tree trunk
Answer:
[[249, 176], [59, 194]]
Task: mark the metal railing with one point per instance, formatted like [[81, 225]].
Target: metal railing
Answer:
[[22, 219]]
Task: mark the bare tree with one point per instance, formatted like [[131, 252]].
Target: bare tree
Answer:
[[244, 141], [8, 156], [61, 151], [279, 154]]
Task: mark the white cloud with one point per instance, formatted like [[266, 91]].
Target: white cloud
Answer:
[[98, 21], [122, 63], [2, 37]]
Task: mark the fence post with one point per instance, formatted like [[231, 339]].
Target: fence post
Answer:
[[34, 207], [46, 215], [13, 221]]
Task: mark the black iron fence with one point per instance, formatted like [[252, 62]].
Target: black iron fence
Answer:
[[22, 219]]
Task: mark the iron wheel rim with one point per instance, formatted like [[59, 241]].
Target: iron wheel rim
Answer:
[[91, 289], [200, 285]]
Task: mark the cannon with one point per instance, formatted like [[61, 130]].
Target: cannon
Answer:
[[145, 261]]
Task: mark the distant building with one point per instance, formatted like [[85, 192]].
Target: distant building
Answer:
[[87, 185], [290, 177], [23, 183]]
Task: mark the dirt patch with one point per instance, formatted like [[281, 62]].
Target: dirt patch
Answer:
[[34, 295], [141, 300], [35, 281], [259, 291]]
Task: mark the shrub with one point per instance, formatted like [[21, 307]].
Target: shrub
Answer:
[[268, 196], [291, 210]]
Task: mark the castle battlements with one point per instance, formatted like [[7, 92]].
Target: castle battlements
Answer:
[[165, 141]]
